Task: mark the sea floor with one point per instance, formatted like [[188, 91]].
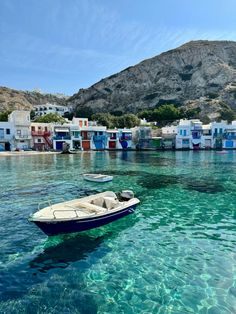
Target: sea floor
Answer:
[[175, 254]]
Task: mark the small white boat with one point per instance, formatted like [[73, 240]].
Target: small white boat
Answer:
[[84, 213], [97, 177]]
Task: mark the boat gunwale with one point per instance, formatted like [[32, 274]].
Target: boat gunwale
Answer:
[[124, 206], [87, 219]]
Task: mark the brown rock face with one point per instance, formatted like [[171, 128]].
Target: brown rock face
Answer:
[[197, 74], [11, 99]]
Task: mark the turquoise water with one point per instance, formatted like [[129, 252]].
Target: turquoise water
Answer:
[[175, 254]]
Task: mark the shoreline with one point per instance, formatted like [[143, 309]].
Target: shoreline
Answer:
[[26, 153], [35, 153]]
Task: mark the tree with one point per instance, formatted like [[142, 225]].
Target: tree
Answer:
[[164, 113], [110, 121], [68, 115], [50, 117], [32, 114], [4, 115], [127, 121], [105, 119], [83, 112], [227, 114], [147, 114], [192, 113]]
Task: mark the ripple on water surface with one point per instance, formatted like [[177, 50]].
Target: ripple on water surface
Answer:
[[175, 254]]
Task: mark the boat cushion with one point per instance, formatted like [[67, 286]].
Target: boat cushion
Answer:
[[98, 201], [110, 202]]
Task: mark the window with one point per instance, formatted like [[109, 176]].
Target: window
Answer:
[[39, 140], [221, 131], [100, 133], [180, 132], [18, 132], [8, 131], [185, 132], [33, 128]]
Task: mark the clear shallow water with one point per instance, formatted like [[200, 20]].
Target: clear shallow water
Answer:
[[175, 254]]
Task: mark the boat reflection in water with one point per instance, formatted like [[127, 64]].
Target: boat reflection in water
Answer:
[[77, 248]]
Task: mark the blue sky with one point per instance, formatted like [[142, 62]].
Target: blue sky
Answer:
[[65, 45]]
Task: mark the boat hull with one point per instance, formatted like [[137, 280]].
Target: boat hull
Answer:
[[101, 179], [59, 227]]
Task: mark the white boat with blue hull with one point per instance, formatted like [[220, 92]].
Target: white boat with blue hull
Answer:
[[84, 213], [97, 177]]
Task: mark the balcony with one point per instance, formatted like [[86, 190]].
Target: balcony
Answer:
[[99, 138], [197, 128], [76, 137], [125, 137], [61, 137], [40, 133], [229, 136], [196, 136], [23, 136], [218, 135]]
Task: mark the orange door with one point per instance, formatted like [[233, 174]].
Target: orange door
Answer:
[[86, 145]]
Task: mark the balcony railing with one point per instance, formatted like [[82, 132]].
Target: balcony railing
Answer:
[[76, 135], [60, 137], [229, 137], [40, 133], [126, 137], [97, 138], [196, 128], [23, 136], [196, 136], [218, 135]]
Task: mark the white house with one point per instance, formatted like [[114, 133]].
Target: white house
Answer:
[[47, 108], [229, 136], [20, 120], [6, 136], [218, 129], [189, 134], [183, 136]]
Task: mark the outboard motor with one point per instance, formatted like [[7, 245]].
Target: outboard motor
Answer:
[[126, 195]]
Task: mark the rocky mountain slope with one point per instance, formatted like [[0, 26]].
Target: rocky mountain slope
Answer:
[[198, 74], [11, 99]]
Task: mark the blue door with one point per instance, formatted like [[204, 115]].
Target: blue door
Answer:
[[59, 145], [229, 144]]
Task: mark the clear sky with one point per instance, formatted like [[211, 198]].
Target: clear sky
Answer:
[[65, 45]]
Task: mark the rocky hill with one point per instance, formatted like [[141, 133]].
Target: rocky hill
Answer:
[[11, 99], [198, 74]]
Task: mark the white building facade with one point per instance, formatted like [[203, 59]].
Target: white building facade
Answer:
[[20, 120], [47, 108]]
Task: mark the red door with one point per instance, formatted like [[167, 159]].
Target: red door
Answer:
[[112, 144]]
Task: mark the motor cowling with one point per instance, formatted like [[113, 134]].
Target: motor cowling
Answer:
[[127, 195]]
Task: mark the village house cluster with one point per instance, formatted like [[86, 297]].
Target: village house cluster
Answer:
[[19, 133]]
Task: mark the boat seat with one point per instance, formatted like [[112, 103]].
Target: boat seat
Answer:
[[98, 201], [91, 207], [110, 202]]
